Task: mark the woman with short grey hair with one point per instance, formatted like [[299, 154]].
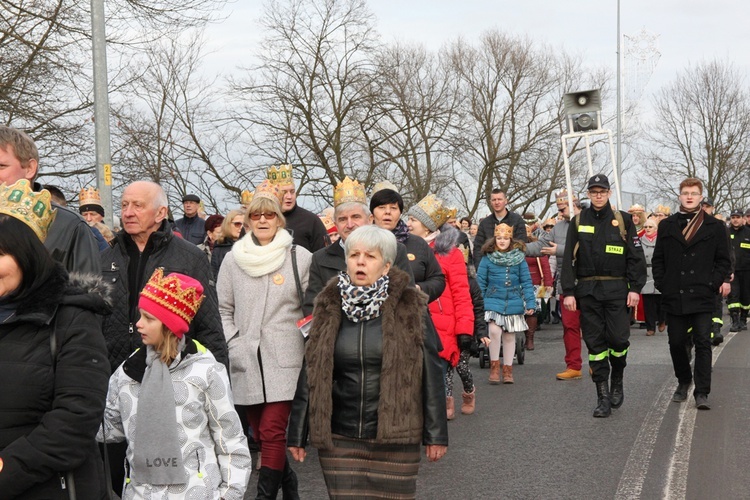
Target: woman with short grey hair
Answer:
[[375, 239], [376, 389]]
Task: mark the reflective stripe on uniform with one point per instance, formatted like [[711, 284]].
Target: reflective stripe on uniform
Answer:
[[734, 305], [586, 229], [717, 321], [618, 354], [599, 357]]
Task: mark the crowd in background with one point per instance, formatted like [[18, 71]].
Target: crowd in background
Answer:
[[344, 328]]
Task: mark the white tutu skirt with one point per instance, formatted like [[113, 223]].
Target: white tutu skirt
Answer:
[[509, 323]]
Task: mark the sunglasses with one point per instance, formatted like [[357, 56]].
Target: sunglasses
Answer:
[[237, 224], [267, 215]]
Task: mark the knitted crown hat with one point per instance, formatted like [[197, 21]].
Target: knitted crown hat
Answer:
[[173, 299]]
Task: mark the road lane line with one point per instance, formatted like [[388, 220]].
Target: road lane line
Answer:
[[631, 481], [679, 460]]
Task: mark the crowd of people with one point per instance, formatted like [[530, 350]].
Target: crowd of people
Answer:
[[272, 328]]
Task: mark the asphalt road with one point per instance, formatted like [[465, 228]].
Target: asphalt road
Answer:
[[537, 438]]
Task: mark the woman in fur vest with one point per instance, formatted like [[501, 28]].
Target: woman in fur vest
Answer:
[[373, 388], [53, 360], [260, 305], [452, 312]]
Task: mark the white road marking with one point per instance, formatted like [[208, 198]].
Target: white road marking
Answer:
[[639, 459]]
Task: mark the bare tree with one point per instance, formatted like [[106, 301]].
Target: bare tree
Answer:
[[303, 100], [412, 121], [702, 129], [511, 118]]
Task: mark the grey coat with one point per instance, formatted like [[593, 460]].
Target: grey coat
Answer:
[[648, 251], [259, 316], [558, 235]]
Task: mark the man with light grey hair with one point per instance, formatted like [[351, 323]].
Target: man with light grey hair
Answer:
[[146, 243], [350, 212]]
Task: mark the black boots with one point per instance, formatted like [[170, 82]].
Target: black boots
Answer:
[[735, 326], [289, 483], [603, 408], [716, 336], [616, 394], [743, 320], [269, 481]]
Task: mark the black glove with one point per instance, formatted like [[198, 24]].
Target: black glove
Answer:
[[464, 341]]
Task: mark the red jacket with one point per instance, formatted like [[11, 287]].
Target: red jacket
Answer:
[[536, 278], [452, 312]]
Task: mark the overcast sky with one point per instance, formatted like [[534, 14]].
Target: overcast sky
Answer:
[[689, 31]]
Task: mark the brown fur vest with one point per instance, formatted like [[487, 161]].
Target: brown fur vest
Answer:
[[400, 408]]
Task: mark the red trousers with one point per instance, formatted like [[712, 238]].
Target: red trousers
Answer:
[[571, 321], [269, 421]]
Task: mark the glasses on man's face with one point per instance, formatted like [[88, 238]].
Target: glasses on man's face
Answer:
[[267, 215], [691, 194], [237, 224], [598, 193], [561, 210]]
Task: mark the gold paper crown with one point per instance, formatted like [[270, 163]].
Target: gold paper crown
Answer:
[[268, 189], [662, 209], [246, 197], [280, 175], [169, 292], [636, 208], [383, 185], [452, 212], [561, 198], [33, 209], [89, 196], [431, 212], [328, 223], [503, 230], [349, 191]]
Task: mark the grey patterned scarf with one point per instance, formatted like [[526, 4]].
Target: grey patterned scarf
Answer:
[[362, 303], [157, 458]]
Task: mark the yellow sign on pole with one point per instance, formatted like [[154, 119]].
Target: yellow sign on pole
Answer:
[[108, 174]]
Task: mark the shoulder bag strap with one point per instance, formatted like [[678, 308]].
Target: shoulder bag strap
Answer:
[[296, 275]]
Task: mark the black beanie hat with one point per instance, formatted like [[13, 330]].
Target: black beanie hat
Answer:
[[384, 197]]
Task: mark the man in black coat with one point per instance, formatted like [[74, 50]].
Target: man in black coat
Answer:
[[70, 240], [500, 214], [690, 263], [306, 228], [738, 301]]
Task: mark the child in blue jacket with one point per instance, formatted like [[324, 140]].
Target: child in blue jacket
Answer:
[[508, 292]]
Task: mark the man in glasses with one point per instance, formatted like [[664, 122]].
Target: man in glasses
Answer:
[[603, 272], [690, 264]]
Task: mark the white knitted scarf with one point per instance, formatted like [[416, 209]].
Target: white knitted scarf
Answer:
[[258, 260]]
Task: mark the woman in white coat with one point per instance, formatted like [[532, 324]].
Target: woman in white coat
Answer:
[[259, 301]]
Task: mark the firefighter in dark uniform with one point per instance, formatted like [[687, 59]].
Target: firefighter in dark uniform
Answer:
[[738, 301], [717, 321], [603, 272]]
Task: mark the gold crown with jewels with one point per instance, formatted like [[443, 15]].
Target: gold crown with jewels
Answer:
[[89, 196], [33, 209], [348, 191], [503, 230], [280, 175]]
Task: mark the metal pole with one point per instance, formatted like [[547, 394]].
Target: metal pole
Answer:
[[101, 109], [616, 166]]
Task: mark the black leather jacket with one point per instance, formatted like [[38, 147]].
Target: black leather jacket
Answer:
[[356, 391]]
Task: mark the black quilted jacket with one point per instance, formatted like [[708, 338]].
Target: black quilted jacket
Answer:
[[174, 255]]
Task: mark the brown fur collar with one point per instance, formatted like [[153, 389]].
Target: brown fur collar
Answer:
[[400, 413]]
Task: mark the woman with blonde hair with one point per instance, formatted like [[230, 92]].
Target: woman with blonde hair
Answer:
[[260, 288], [232, 229]]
